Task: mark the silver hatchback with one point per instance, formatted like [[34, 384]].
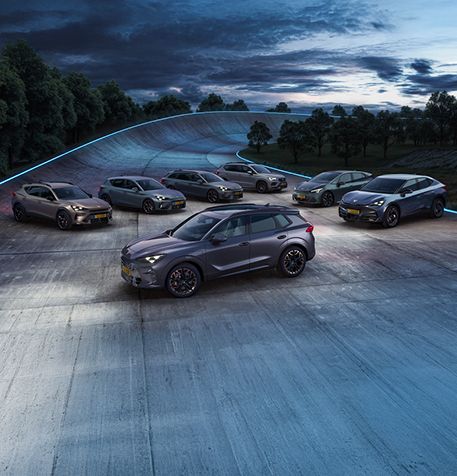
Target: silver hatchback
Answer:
[[63, 202]]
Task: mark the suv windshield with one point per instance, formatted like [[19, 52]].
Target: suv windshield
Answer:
[[195, 228], [70, 193], [383, 185], [209, 177], [325, 177], [149, 184], [260, 169]]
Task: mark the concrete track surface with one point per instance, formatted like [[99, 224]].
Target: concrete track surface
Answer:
[[349, 369]]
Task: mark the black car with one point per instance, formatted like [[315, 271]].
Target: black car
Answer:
[[220, 241]]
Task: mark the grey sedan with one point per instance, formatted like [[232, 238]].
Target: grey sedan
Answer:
[[140, 192], [203, 184], [327, 188]]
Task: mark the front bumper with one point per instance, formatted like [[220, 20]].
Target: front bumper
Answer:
[[92, 217], [139, 274], [307, 197], [361, 213], [231, 195], [279, 185], [170, 204]]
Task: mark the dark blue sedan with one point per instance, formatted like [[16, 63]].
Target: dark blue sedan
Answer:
[[387, 198]]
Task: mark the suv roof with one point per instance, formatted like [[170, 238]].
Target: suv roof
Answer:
[[131, 177], [49, 184], [249, 207], [191, 170]]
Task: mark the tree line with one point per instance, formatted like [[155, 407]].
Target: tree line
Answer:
[[43, 111], [351, 134]]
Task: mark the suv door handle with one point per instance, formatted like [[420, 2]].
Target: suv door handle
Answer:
[[245, 243], [281, 237]]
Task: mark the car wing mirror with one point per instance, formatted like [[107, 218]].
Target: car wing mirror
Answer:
[[218, 238], [50, 198], [169, 231], [200, 181], [135, 189], [405, 192]]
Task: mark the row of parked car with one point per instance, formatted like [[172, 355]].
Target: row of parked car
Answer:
[[227, 239]]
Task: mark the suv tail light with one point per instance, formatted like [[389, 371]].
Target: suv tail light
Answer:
[[310, 229]]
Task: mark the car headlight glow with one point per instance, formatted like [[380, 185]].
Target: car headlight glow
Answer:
[[223, 188], [153, 259], [378, 203], [161, 197], [77, 208], [272, 178], [316, 190]]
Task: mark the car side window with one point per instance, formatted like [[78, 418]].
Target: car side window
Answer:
[[46, 193], [345, 178], [234, 227], [246, 170], [117, 183], [357, 176], [262, 223], [195, 177], [37, 191], [423, 183], [410, 185], [282, 220], [230, 168], [129, 184]]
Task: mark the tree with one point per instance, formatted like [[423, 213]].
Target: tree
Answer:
[[439, 109], [296, 137], [212, 103], [387, 129], [45, 130], [345, 138], [13, 116], [259, 134], [365, 124], [319, 125], [88, 105], [280, 107], [238, 105], [339, 111], [168, 105], [118, 108]]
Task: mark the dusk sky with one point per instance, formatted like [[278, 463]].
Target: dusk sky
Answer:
[[302, 52]]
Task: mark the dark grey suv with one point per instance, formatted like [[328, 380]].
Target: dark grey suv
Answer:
[[202, 184], [220, 241]]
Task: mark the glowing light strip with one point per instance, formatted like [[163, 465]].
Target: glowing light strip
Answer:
[[448, 210]]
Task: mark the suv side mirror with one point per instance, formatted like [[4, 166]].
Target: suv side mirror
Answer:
[[405, 191], [250, 172], [200, 181], [135, 189], [50, 198], [218, 238]]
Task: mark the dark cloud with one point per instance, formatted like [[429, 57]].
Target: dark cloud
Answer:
[[387, 68], [422, 66], [418, 84]]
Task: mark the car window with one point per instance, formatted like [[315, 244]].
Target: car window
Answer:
[[38, 191], [410, 185], [325, 177], [130, 184], [383, 185], [149, 184], [423, 183], [260, 169], [195, 228], [70, 193], [231, 168], [117, 183], [245, 169], [282, 220], [345, 178], [210, 177], [194, 177], [234, 227], [356, 176], [261, 223]]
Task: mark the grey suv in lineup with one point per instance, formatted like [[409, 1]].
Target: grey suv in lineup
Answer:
[[327, 188], [202, 184], [387, 198], [140, 192], [220, 241], [63, 202], [252, 176]]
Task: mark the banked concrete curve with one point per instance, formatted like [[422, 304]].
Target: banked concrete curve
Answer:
[[198, 140]]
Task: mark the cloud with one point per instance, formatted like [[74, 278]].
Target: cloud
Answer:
[[387, 68], [422, 66]]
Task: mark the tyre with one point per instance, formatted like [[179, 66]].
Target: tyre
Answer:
[[437, 209], [391, 217], [183, 280], [20, 214], [148, 206], [292, 262], [327, 199], [261, 186], [107, 199], [63, 220], [212, 196]]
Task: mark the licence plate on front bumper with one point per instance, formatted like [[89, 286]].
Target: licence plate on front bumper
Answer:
[[352, 211], [101, 215], [126, 270], [301, 196]]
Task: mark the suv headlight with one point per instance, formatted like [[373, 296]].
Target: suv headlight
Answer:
[[153, 259], [160, 197], [316, 190], [378, 203], [272, 178], [77, 208], [223, 188]]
